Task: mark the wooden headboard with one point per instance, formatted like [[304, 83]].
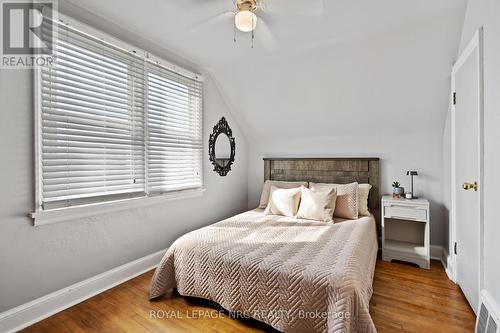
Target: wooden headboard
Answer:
[[328, 170]]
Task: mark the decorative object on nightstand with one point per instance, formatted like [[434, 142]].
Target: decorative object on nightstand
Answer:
[[410, 195], [406, 230], [398, 190]]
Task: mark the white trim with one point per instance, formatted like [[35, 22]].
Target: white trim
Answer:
[[37, 100], [29, 313], [475, 43], [437, 252], [440, 253], [452, 180], [70, 213], [447, 264], [50, 216]]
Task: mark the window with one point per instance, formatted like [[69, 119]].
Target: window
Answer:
[[174, 132], [112, 124]]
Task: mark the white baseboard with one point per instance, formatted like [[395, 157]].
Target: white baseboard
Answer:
[[436, 252], [449, 264], [29, 313], [440, 253]]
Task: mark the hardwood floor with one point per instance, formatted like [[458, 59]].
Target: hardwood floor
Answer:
[[405, 299], [409, 299]]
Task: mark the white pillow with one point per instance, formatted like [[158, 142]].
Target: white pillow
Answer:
[[317, 205], [346, 205], [283, 201], [266, 189], [363, 192]]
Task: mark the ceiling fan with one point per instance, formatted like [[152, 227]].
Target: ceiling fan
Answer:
[[251, 16]]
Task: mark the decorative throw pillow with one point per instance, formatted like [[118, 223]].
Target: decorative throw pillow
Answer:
[[363, 192], [346, 205], [317, 205], [264, 197], [283, 201]]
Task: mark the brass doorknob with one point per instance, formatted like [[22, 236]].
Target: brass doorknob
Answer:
[[470, 186]]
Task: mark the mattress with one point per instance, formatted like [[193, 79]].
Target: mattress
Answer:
[[295, 275]]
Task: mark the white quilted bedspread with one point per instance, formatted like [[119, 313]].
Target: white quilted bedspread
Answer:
[[295, 275]]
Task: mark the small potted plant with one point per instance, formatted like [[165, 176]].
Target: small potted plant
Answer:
[[398, 191]]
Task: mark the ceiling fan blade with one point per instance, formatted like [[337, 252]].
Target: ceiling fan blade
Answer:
[[221, 17], [198, 3], [264, 35], [293, 7]]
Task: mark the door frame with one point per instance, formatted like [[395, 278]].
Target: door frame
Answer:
[[475, 44]]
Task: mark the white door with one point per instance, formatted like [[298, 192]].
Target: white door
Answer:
[[467, 183]]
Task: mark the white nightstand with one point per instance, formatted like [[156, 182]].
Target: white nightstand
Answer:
[[405, 230]]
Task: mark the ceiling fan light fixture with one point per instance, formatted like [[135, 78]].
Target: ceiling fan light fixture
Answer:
[[245, 20]]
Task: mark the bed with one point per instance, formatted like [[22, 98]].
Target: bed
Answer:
[[295, 275]]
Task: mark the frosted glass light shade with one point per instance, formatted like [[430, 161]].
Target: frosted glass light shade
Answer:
[[245, 20]]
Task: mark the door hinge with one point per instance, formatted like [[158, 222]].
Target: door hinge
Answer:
[[454, 98], [455, 248]]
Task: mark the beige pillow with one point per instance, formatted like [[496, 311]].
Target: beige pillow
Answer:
[[363, 192], [346, 205], [317, 205], [283, 201], [264, 197]]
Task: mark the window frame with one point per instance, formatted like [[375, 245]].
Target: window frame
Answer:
[[46, 216]]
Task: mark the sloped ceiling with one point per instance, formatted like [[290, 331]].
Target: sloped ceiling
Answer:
[[363, 66]]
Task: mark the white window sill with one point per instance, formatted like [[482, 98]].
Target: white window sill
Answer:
[[70, 213]]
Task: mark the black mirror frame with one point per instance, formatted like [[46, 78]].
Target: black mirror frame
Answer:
[[221, 127]]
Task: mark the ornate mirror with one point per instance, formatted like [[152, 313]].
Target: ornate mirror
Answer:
[[221, 147]]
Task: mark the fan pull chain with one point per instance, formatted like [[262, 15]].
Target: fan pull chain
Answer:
[[252, 32], [234, 32]]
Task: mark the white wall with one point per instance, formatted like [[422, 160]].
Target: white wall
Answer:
[[373, 76], [37, 260], [447, 182], [486, 13], [383, 96], [374, 92], [419, 151]]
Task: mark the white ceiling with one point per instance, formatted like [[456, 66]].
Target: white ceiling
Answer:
[[362, 65]]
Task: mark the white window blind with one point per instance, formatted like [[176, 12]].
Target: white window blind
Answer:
[[114, 125], [174, 118]]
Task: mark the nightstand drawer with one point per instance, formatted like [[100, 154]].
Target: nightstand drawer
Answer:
[[405, 212]]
